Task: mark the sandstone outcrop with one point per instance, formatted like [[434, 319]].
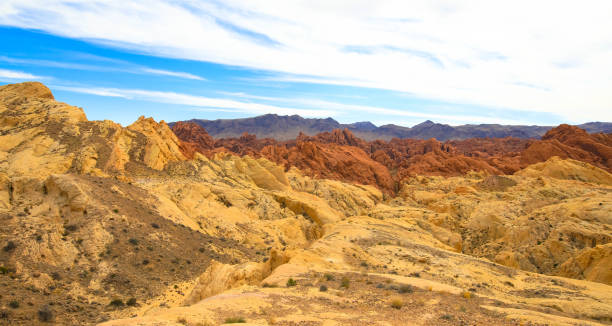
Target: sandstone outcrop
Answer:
[[123, 226]]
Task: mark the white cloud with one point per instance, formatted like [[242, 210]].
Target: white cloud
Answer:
[[185, 75], [216, 104], [12, 75], [545, 56], [109, 65]]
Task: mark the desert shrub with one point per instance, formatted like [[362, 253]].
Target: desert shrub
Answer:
[[4, 270], [133, 241], [56, 276], [116, 303], [71, 227], [155, 225], [45, 314], [466, 294], [5, 314], [397, 303], [10, 246], [181, 320], [405, 289], [268, 285], [131, 302], [115, 211], [329, 277], [323, 288], [446, 317], [14, 304], [235, 320], [345, 282], [291, 282]]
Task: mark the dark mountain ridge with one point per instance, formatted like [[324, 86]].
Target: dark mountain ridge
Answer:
[[286, 127]]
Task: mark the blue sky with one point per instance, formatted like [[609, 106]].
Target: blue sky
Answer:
[[384, 61]]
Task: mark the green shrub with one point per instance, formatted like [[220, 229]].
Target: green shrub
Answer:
[[323, 288], [329, 277], [235, 320], [291, 282], [345, 282]]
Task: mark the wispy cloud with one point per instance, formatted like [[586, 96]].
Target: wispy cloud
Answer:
[[185, 75], [477, 52], [12, 75], [173, 98], [109, 66]]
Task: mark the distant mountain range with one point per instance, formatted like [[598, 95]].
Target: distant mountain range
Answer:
[[288, 127]]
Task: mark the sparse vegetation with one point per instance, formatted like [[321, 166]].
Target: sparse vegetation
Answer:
[[181, 320], [134, 241], [45, 314], [345, 282], [446, 317], [115, 211], [116, 303], [235, 320], [131, 302], [397, 303], [4, 270], [466, 294], [291, 282], [323, 288], [268, 285], [329, 277], [10, 246], [405, 289]]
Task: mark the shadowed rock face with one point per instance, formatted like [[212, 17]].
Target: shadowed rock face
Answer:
[[112, 225], [343, 156]]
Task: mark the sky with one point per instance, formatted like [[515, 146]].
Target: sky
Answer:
[[402, 62]]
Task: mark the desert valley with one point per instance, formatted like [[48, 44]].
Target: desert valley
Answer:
[[149, 224]]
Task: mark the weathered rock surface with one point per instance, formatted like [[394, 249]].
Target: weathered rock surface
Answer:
[[116, 226]]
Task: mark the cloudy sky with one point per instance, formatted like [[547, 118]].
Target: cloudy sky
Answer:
[[511, 62]]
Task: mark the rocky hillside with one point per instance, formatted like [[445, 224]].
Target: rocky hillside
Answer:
[[133, 226], [342, 156], [283, 128]]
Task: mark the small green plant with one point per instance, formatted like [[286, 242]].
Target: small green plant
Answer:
[[3, 270], [115, 211], [446, 317], [235, 320], [14, 304], [345, 282], [323, 288], [291, 282], [329, 277], [133, 241]]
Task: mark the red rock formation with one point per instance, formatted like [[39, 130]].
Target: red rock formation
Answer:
[[340, 155], [194, 138], [572, 142]]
